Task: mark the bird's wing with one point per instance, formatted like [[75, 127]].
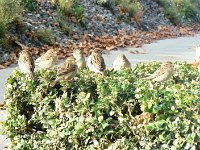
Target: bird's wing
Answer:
[[44, 57], [32, 62], [128, 64], [157, 73], [98, 62], [27, 61], [66, 68]]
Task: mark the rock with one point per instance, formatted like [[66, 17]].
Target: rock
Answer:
[[153, 16], [37, 15]]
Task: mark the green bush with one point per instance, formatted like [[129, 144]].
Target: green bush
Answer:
[[9, 10], [132, 6], [3, 29], [7, 41], [29, 4], [118, 111], [71, 8], [176, 10], [134, 9], [64, 6], [65, 27], [44, 35], [78, 12]]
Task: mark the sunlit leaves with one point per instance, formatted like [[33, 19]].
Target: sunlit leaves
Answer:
[[95, 112]]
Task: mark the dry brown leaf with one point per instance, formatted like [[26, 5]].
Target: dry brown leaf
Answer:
[[110, 48], [122, 10], [100, 18], [75, 37], [56, 24], [74, 20], [2, 66], [144, 118]]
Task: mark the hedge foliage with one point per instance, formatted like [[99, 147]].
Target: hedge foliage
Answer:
[[179, 10], [118, 111], [9, 11]]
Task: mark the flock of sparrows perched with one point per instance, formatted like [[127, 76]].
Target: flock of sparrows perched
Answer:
[[67, 71]]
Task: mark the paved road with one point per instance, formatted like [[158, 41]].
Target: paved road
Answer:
[[4, 74], [180, 49]]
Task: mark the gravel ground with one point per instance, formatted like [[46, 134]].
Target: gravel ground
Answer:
[[98, 20]]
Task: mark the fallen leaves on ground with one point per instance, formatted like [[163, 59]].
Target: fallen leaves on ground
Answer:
[[89, 42]]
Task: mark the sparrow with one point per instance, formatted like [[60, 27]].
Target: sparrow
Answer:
[[47, 60], [66, 71], [196, 65], [96, 62], [197, 56], [163, 73], [80, 59], [121, 62], [26, 63]]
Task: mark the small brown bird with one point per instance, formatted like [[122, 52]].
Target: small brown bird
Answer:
[[96, 62], [163, 73], [197, 56], [26, 64], [80, 59], [121, 62], [196, 65], [47, 60], [67, 71]]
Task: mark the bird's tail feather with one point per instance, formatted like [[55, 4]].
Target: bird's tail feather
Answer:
[[53, 83], [32, 76], [21, 45]]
